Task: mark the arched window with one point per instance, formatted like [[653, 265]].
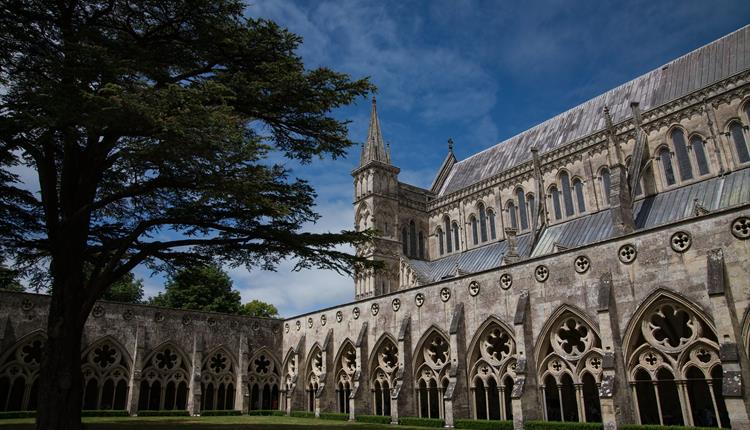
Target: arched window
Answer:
[[421, 245], [491, 219], [439, 233], [699, 149], [430, 374], [681, 151], [314, 372], [556, 202], [105, 371], [606, 183], [738, 137], [673, 361], [578, 188], [532, 208], [512, 215], [384, 367], [456, 242], [264, 379], [523, 218], [492, 361], [483, 222], [666, 163], [217, 383], [412, 239], [346, 365], [19, 372], [405, 241], [567, 195], [448, 240], [474, 232], [166, 386]]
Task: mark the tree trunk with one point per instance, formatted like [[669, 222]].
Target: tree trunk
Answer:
[[60, 389]]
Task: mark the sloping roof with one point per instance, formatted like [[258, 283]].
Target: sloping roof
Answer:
[[664, 208], [714, 62]]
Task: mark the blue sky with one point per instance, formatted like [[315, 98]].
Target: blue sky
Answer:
[[475, 71]]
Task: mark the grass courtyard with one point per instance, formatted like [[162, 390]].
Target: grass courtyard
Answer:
[[206, 423]]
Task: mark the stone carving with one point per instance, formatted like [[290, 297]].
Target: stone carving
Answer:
[[396, 304], [627, 253], [541, 273], [374, 309], [681, 241], [445, 294], [506, 280], [323, 320], [355, 313], [582, 264], [339, 316], [741, 228], [98, 311], [419, 300], [473, 288], [309, 322]]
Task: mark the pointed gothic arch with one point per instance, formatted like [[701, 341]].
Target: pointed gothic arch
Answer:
[[19, 372], [674, 370], [492, 361], [569, 355], [264, 380], [383, 364], [313, 373], [431, 361], [105, 369], [345, 365], [164, 384], [218, 379]]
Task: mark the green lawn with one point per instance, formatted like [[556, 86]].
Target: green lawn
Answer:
[[205, 423]]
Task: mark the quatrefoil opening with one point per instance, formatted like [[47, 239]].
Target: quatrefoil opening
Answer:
[[741, 228], [582, 264], [627, 253], [681, 241], [541, 273]]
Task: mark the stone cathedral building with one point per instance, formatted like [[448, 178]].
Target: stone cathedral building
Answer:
[[592, 268]]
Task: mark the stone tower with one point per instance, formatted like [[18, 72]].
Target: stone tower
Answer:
[[376, 206]]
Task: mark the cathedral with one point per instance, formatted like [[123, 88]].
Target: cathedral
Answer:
[[593, 268]]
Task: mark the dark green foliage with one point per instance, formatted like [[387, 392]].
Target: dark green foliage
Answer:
[[173, 413], [421, 422], [484, 424], [221, 413], [302, 414], [9, 280], [257, 308], [125, 290], [267, 412], [17, 414], [200, 288], [374, 419], [84, 413], [658, 427], [558, 425], [334, 416]]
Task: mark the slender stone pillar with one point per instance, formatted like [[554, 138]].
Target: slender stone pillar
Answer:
[[358, 399], [401, 401], [524, 396], [194, 385], [134, 389], [242, 394]]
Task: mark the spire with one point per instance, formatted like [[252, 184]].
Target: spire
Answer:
[[374, 149]]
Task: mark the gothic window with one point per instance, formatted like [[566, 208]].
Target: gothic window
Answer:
[[19, 374], [606, 184], [482, 222], [681, 152], [314, 372], [673, 367], [456, 242], [105, 376], [523, 218], [164, 384], [217, 382], [263, 381], [556, 202], [383, 370], [578, 188], [567, 195], [701, 159], [439, 233], [740, 144], [345, 368], [433, 358], [492, 372], [474, 232], [512, 215], [570, 357], [421, 245], [666, 163], [491, 219], [412, 239], [290, 377], [448, 241], [404, 241], [532, 209]]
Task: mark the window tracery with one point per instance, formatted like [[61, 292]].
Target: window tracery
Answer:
[[264, 380], [474, 229], [578, 189], [19, 374], [739, 140], [556, 206], [701, 158], [345, 369], [439, 234], [456, 243], [606, 181], [384, 366], [165, 380], [567, 194], [570, 370], [218, 377], [314, 372], [431, 377], [674, 368], [105, 376], [522, 209], [492, 373], [512, 217], [681, 152], [448, 240], [482, 221]]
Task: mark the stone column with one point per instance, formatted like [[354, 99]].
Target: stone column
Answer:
[[524, 396], [360, 392], [620, 203], [134, 389], [734, 361], [403, 380], [455, 405], [194, 385], [242, 394]]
